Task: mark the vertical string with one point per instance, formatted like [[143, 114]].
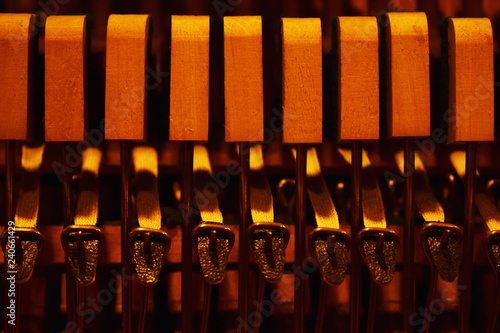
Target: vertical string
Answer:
[[187, 240]]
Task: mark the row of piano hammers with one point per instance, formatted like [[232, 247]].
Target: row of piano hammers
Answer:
[[359, 41]]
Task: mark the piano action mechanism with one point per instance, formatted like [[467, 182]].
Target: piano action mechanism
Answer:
[[249, 166]]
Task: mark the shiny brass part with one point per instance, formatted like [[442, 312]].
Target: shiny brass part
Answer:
[[268, 242], [82, 245], [148, 247], [212, 243], [442, 243], [378, 247], [330, 248], [27, 244], [493, 249]]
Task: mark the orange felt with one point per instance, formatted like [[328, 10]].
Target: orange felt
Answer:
[[15, 39], [65, 74], [471, 103], [126, 59], [408, 87], [243, 78], [358, 80], [189, 78], [302, 80]]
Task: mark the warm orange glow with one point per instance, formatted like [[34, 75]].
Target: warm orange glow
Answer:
[[346, 154], [145, 159], [458, 160], [201, 161], [256, 158], [91, 160], [206, 198], [488, 211], [32, 157]]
